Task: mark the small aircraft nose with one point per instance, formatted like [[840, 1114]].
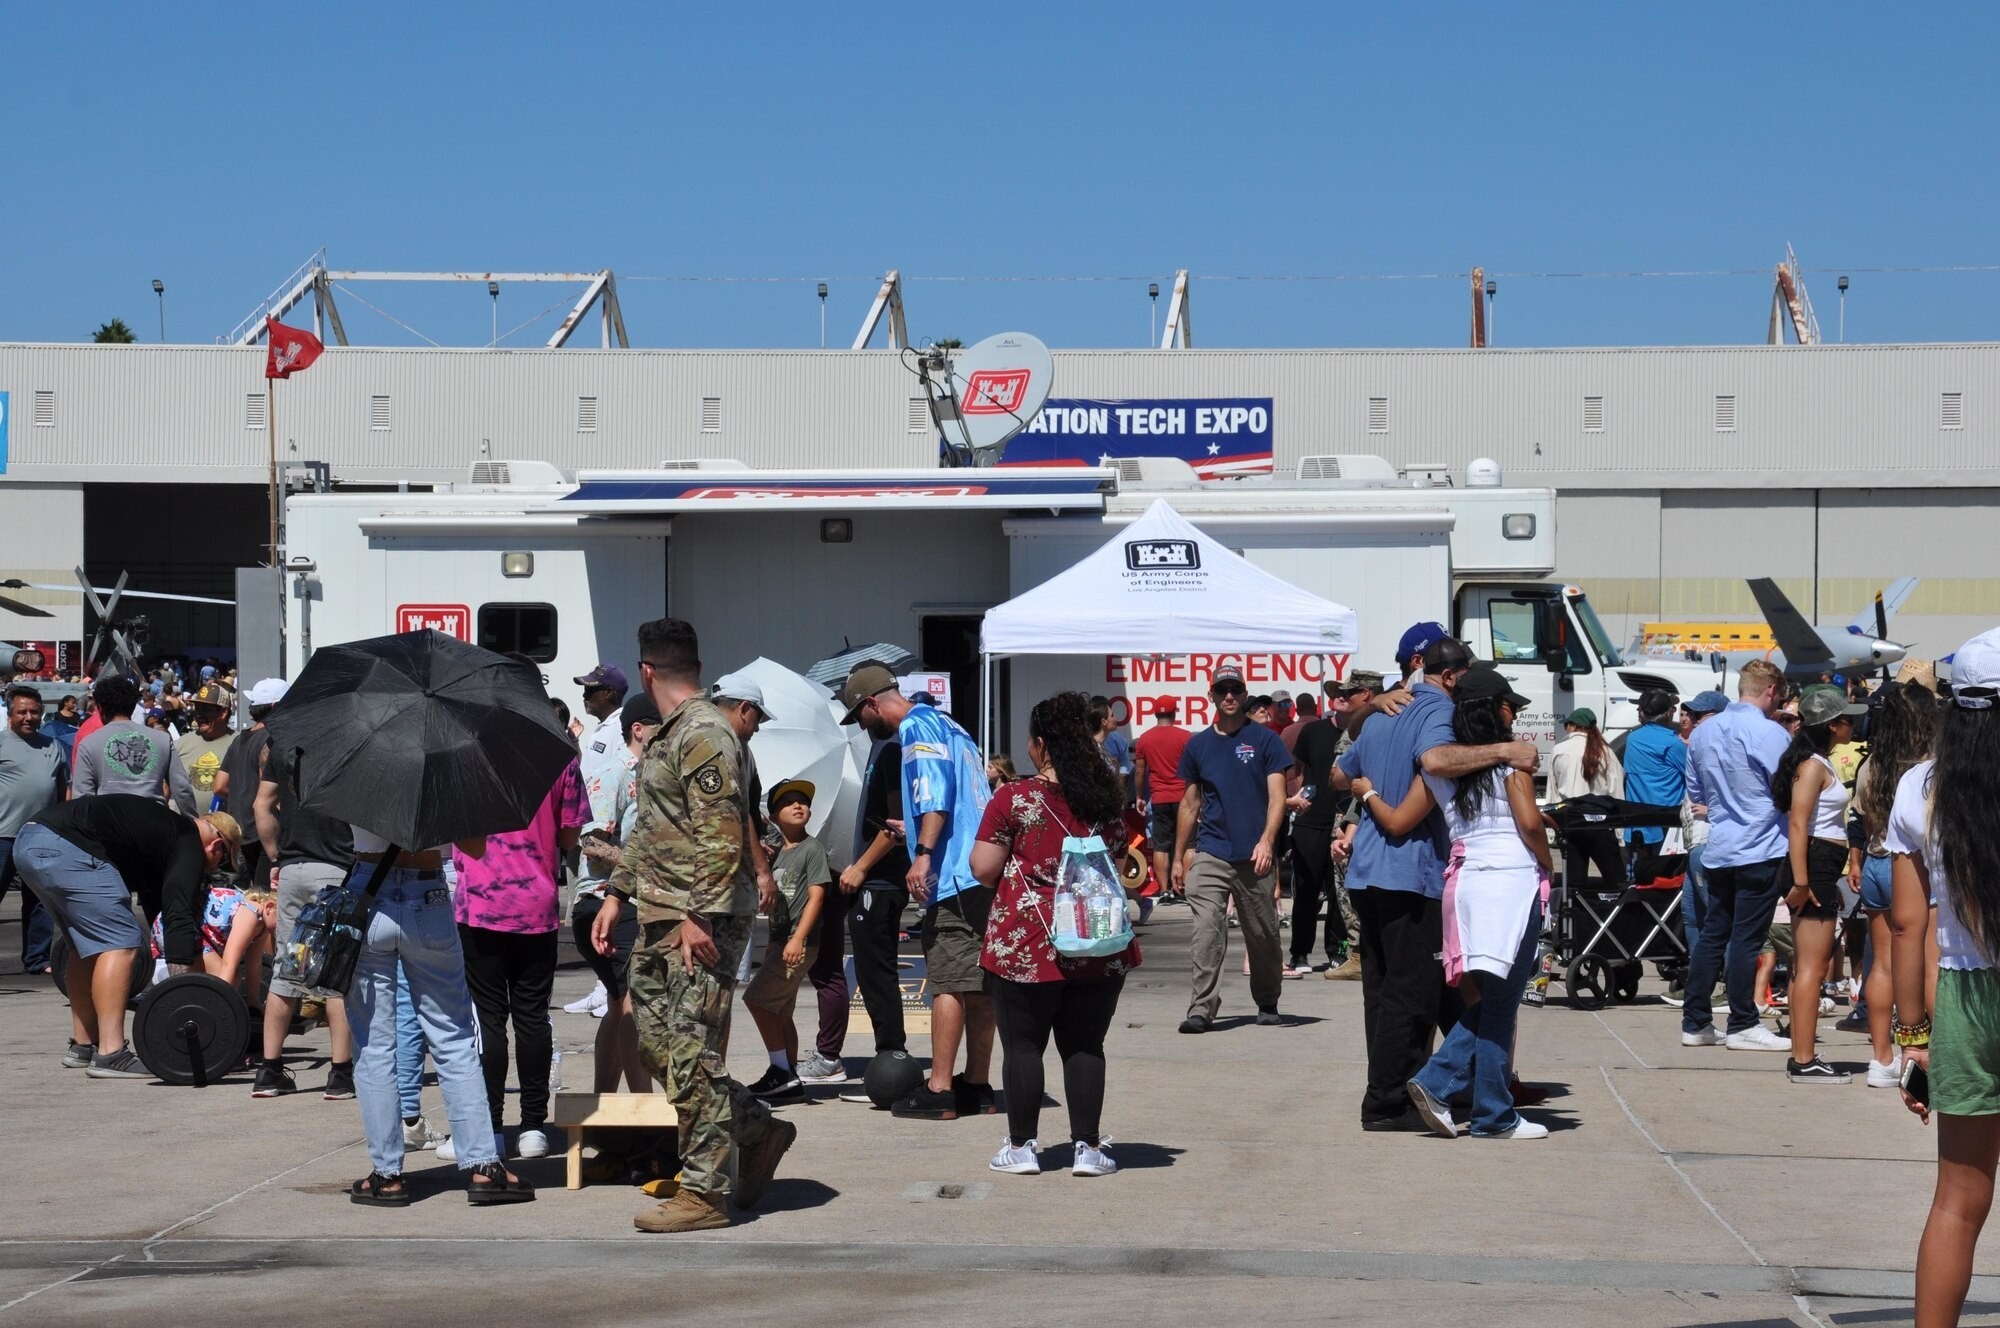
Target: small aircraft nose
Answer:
[[1887, 652]]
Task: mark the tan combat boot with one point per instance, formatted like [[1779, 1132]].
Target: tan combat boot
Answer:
[[686, 1211]]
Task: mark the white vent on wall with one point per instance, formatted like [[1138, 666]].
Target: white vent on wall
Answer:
[[378, 414], [254, 405], [920, 415], [45, 408], [1951, 413], [1378, 414], [1725, 414], [711, 414], [703, 463], [586, 414], [1593, 414]]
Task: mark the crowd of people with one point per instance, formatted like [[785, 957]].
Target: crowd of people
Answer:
[[1837, 824]]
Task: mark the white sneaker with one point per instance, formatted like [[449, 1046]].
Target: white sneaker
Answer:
[[1706, 1036], [1019, 1161], [594, 1003], [1523, 1129], [1094, 1161], [418, 1136], [1886, 1076], [447, 1152], [1436, 1114], [1826, 1005], [1758, 1038], [531, 1143], [599, 1011]]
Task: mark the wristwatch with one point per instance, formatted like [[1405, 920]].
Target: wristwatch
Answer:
[[924, 851]]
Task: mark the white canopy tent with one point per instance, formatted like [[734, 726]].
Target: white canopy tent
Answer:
[[1160, 587]]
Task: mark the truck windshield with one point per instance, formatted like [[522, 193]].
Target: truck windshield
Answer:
[[1607, 653]]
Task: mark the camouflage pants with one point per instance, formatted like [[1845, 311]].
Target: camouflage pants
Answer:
[[1350, 921], [683, 1027]]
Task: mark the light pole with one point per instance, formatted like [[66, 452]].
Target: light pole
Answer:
[[1153, 319], [493, 289], [822, 315], [1491, 290], [160, 294], [1842, 283]]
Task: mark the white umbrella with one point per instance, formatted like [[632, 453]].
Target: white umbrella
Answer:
[[804, 739]]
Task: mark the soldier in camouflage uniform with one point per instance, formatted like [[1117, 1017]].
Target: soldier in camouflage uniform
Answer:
[[688, 867]]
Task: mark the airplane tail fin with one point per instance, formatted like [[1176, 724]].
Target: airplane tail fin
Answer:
[[1874, 620], [1794, 635]]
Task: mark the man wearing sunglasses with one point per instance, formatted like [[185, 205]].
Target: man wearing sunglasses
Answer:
[[1229, 816]]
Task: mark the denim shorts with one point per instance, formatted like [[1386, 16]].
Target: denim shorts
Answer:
[[1875, 876], [87, 897]]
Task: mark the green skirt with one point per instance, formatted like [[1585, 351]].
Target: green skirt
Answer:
[[1965, 1043]]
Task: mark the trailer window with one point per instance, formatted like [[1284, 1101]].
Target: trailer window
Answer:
[[529, 629]]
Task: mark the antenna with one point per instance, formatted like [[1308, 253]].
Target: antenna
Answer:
[[981, 397]]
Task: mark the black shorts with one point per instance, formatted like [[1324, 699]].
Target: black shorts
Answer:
[[1826, 864], [614, 969], [1162, 826]]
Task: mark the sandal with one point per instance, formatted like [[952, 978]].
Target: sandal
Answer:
[[497, 1189], [373, 1190]]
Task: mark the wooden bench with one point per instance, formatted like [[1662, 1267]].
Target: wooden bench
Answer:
[[576, 1112]]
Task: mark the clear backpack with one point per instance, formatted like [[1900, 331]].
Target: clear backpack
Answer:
[[1090, 918]]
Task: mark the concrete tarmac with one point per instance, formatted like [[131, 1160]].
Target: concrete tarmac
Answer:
[[1678, 1186]]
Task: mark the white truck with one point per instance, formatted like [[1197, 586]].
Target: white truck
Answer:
[[801, 565]]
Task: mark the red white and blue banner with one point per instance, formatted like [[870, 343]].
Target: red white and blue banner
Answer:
[[1216, 435]]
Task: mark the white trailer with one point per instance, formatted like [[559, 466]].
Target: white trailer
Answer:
[[799, 565]]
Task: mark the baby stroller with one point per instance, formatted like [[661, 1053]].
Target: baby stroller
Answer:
[[1604, 937]]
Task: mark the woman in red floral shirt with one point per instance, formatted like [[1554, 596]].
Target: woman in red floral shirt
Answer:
[[1035, 991]]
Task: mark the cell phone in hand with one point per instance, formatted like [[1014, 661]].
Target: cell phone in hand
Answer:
[[1917, 1083]]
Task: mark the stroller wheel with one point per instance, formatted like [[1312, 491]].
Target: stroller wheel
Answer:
[[1625, 982], [1589, 982]]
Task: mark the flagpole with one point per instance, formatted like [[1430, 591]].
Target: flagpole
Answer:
[[271, 438]]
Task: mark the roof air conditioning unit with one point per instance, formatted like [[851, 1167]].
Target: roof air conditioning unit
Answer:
[[517, 475], [1359, 466], [1159, 472], [703, 463], [1428, 475]]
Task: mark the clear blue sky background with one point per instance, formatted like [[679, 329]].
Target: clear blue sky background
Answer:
[[217, 147]]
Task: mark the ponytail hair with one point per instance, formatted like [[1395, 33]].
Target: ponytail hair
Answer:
[[1594, 751], [1062, 723]]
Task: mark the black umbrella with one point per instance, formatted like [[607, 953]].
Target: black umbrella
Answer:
[[421, 738]]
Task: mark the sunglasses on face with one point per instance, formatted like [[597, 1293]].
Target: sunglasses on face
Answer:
[[1230, 689]]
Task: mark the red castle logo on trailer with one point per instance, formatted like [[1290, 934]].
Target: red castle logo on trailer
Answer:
[[450, 619], [995, 392]]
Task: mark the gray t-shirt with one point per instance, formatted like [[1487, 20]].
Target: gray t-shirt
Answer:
[[32, 772], [798, 868], [127, 757]]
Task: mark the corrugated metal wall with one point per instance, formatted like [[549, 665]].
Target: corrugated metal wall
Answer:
[[1860, 415]]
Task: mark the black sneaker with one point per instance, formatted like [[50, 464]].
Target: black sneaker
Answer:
[[1854, 1021], [923, 1104], [339, 1082], [79, 1055], [778, 1087], [273, 1080], [1815, 1071], [973, 1099], [1269, 1016], [1195, 1023], [1407, 1123]]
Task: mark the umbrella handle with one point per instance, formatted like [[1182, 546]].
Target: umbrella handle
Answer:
[[375, 878]]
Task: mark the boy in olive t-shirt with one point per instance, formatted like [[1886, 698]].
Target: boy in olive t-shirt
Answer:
[[804, 874]]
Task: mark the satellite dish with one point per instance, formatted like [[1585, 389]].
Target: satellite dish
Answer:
[[981, 397]]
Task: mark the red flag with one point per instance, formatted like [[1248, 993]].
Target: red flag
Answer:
[[291, 349]]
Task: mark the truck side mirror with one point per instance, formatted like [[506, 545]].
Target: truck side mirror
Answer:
[[1552, 636]]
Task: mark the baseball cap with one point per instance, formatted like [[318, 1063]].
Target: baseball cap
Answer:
[[232, 836], [1975, 672], [1167, 705], [863, 682], [211, 694], [207, 672], [608, 676], [1418, 639], [1710, 702], [1483, 682], [1583, 716], [1226, 673], [1357, 680], [738, 687], [1281, 697], [1822, 703], [268, 691], [785, 788], [639, 708]]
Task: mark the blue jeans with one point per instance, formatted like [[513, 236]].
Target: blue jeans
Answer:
[[38, 930], [409, 1048], [1478, 1053], [1694, 897], [412, 931], [1741, 901]]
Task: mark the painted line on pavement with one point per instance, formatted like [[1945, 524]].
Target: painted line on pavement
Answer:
[[1675, 1166]]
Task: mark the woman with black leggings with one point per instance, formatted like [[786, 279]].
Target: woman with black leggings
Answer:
[[1037, 992]]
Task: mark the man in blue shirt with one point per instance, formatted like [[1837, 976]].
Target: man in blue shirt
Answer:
[[1655, 764], [1397, 883], [944, 793], [1229, 816], [1731, 759]]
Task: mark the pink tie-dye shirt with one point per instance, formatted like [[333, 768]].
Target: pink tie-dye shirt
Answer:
[[516, 887]]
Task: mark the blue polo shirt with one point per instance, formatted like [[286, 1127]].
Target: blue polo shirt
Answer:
[[1731, 759], [1234, 773], [1386, 754], [1655, 773]]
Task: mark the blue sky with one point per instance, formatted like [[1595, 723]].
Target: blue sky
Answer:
[[217, 147]]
